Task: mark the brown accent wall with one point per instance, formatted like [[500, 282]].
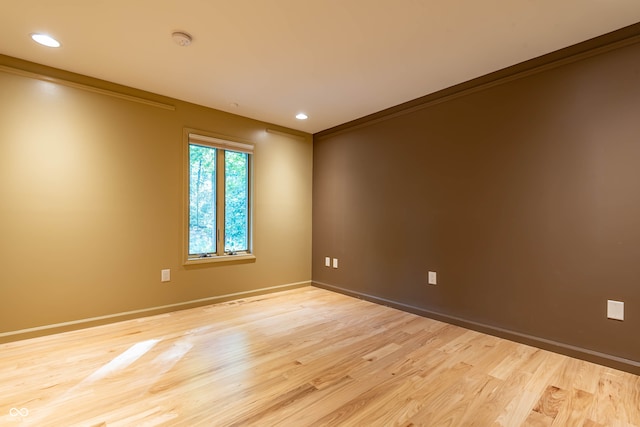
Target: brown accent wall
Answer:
[[91, 203], [523, 196]]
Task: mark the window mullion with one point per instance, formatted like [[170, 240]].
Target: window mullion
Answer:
[[220, 201]]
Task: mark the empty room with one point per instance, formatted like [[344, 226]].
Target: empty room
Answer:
[[356, 213]]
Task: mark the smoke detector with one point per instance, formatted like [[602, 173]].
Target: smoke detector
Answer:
[[181, 38]]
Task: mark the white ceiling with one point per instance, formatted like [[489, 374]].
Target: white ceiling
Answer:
[[336, 60]]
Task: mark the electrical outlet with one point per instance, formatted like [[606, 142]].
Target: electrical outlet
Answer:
[[327, 261], [335, 263], [432, 278], [165, 275], [615, 310]]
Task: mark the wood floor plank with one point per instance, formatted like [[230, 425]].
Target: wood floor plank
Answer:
[[297, 358], [574, 412], [610, 407], [551, 401]]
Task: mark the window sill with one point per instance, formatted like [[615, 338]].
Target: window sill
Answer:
[[221, 259]]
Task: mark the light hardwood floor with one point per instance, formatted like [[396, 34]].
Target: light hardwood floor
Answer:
[[302, 357]]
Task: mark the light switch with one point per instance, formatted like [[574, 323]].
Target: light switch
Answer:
[[165, 275], [335, 263], [327, 261]]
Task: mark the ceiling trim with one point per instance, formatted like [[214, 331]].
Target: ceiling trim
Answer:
[[88, 88], [608, 42]]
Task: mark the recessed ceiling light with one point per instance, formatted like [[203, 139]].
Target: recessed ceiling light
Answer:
[[301, 116], [45, 40]]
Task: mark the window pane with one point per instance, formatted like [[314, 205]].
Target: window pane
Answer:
[[202, 200], [236, 201]]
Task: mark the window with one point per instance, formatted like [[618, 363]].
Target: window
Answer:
[[219, 199]]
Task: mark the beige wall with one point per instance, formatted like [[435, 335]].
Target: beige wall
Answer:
[[91, 203]]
